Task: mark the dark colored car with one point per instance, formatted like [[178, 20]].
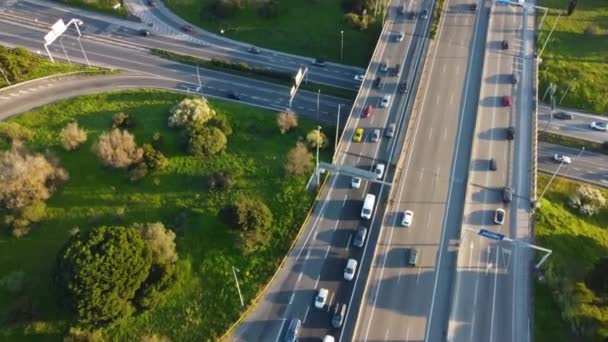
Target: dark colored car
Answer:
[[234, 96], [367, 111], [507, 194], [338, 317], [412, 15], [144, 33], [254, 50], [152, 3], [402, 9], [403, 87], [562, 116], [424, 15], [505, 45], [187, 28], [293, 330], [396, 70], [510, 133], [493, 165], [473, 7], [506, 101], [514, 78], [377, 82], [359, 240], [319, 62]]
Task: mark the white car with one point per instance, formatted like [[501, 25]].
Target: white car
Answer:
[[560, 158], [321, 298], [384, 67], [385, 101], [408, 216], [379, 171], [355, 183], [376, 135], [400, 36], [599, 126], [328, 338], [499, 216], [359, 78], [350, 269]]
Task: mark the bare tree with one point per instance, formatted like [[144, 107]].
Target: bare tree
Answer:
[[27, 177], [315, 137], [299, 160], [287, 121], [160, 240], [191, 111], [587, 200], [118, 149], [72, 136]]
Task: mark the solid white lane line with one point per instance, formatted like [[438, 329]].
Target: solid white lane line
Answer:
[[306, 314], [327, 252], [494, 299], [293, 294], [350, 237], [437, 100], [300, 276], [452, 98], [386, 335], [431, 133], [283, 320], [445, 132]]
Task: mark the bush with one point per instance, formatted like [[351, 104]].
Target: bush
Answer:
[[117, 149], [251, 214], [157, 140], [160, 240], [222, 123], [316, 137], [358, 6], [80, 335], [139, 172], [153, 158], [225, 8], [221, 181], [72, 136], [592, 29], [191, 111], [287, 121], [587, 200], [154, 338], [16, 63], [360, 22], [101, 271], [122, 120], [299, 160], [27, 177], [11, 131], [206, 141]]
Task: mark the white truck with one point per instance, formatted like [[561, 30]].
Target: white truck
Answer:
[[368, 206]]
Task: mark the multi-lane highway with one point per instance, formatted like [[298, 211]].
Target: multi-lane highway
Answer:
[[585, 166], [577, 127], [406, 301], [198, 43], [491, 292], [319, 258]]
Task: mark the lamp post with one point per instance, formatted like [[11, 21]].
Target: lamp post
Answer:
[[567, 89], [238, 288], [318, 98], [317, 166], [337, 129], [341, 44], [555, 174]]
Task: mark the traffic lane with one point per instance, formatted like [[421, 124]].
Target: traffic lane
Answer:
[[131, 33], [589, 166], [578, 127]]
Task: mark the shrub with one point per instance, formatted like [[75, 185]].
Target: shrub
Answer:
[[100, 272], [139, 172], [191, 111], [360, 22], [33, 213], [222, 123], [358, 6], [160, 240], [27, 177], [81, 335], [221, 181], [153, 158], [154, 338], [72, 136], [269, 9], [12, 131], [122, 120], [206, 141], [587, 200], [117, 149], [299, 160], [157, 140], [287, 121], [250, 214], [225, 8], [592, 29], [316, 137]]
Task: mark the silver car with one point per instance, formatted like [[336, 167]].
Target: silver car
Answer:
[[376, 135]]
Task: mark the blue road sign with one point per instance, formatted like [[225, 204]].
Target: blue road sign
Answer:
[[491, 235]]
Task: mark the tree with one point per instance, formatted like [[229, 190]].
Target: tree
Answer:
[[299, 160], [287, 121], [154, 158], [225, 8], [117, 149], [101, 271], [12, 131], [251, 213], [222, 123], [154, 338], [122, 120], [587, 200], [571, 6], [72, 136], [206, 141], [139, 172], [316, 137], [27, 177], [81, 335], [160, 240], [191, 111]]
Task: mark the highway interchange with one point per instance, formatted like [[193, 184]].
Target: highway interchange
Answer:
[[450, 122]]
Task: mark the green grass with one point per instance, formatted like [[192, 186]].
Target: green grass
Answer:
[[204, 302], [42, 68], [103, 6], [573, 54], [304, 27], [259, 74], [577, 243], [564, 140]]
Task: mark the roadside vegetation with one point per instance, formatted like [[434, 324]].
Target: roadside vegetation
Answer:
[[303, 27], [572, 223], [103, 6], [437, 11], [19, 65], [565, 140], [577, 49], [126, 212]]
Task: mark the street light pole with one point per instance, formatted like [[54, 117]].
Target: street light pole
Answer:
[[555, 173], [549, 36], [337, 129], [318, 98], [317, 167], [238, 288], [341, 44], [567, 89]]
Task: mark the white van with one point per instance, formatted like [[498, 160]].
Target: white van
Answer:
[[368, 206]]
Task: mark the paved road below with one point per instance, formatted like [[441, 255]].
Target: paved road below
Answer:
[[578, 127], [587, 166]]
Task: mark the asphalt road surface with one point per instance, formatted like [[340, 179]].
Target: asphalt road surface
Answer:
[[319, 256], [170, 37], [578, 127], [411, 303], [491, 298], [586, 166]]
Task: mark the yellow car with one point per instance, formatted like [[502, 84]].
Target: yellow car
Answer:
[[358, 135]]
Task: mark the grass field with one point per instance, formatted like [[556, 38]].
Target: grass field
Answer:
[[204, 302], [577, 243], [572, 53], [304, 27], [103, 6], [564, 140]]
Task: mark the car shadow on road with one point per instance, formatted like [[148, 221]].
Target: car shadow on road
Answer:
[[499, 79], [496, 133], [491, 101], [480, 164], [479, 217], [486, 195]]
